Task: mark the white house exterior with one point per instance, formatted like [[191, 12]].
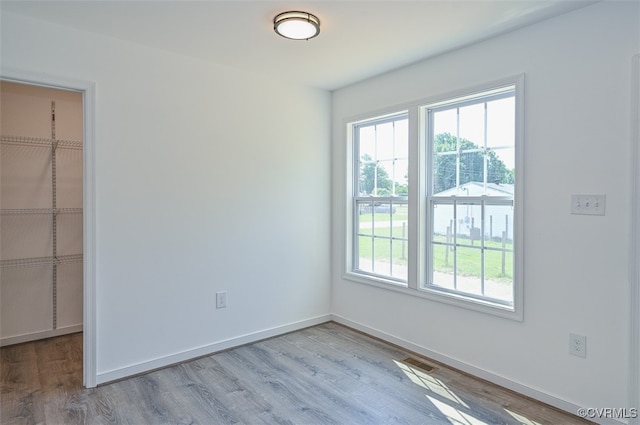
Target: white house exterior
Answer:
[[498, 218]]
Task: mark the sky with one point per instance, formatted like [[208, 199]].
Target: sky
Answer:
[[500, 126]]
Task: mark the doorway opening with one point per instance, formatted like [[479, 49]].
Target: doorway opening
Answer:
[[41, 167], [47, 263]]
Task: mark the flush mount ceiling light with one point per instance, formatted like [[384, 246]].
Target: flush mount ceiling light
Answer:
[[296, 25]]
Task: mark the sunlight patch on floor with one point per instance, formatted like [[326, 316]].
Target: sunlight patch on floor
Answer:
[[522, 419], [430, 383], [455, 416]]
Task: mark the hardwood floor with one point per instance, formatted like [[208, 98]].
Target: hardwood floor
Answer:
[[327, 374]]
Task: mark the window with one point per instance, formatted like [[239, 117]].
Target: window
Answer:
[[380, 191], [471, 171], [438, 214]]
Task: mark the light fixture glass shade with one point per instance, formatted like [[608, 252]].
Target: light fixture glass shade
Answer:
[[296, 25]]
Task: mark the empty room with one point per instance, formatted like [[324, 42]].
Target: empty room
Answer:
[[420, 212]]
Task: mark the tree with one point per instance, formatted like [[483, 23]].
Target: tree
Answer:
[[471, 164], [373, 177]]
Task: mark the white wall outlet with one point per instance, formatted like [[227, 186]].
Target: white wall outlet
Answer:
[[588, 204], [578, 345], [221, 299]]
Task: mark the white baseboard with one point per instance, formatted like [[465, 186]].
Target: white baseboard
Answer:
[[470, 369], [149, 365], [19, 339], [146, 366]]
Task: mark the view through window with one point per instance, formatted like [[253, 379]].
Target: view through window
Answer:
[[460, 241], [380, 213], [471, 195]]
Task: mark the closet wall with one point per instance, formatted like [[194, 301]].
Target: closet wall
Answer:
[[40, 212]]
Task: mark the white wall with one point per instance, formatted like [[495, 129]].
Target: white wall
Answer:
[[577, 135], [207, 179]]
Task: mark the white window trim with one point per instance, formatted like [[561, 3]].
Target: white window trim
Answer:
[[418, 208], [349, 273]]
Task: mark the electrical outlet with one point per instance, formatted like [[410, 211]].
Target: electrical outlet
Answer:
[[578, 345], [221, 299], [588, 204]]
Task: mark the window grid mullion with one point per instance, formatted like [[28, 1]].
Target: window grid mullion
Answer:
[[455, 245], [373, 239], [457, 147], [393, 161], [482, 258], [485, 161]]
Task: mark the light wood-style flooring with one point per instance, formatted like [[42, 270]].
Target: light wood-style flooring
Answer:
[[327, 374]]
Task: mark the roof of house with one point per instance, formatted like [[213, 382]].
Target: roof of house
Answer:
[[478, 189]]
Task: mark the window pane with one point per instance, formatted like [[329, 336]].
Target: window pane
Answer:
[[383, 238], [445, 122], [498, 266], [466, 261], [399, 260], [365, 254], [473, 148], [443, 223], [400, 177], [383, 164], [445, 143], [381, 259], [382, 222], [499, 225], [442, 247], [469, 218], [499, 274], [444, 173], [367, 141], [471, 168], [368, 174], [401, 214], [501, 166], [501, 122], [443, 266], [472, 124], [469, 270], [384, 178], [399, 224], [384, 141]]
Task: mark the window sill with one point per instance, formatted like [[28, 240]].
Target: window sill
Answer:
[[511, 313], [470, 303], [380, 282]]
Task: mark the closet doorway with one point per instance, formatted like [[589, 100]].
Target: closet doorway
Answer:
[[41, 212]]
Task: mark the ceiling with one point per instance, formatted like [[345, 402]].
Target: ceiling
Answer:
[[358, 39]]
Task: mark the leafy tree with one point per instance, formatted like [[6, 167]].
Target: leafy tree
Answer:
[[471, 164], [368, 181], [402, 189]]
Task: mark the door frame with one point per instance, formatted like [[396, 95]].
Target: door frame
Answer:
[[634, 252], [87, 88]]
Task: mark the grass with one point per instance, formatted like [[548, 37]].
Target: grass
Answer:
[[469, 259]]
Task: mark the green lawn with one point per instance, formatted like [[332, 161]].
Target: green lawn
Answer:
[[468, 259]]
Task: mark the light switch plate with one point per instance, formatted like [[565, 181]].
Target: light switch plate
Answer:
[[588, 204], [221, 299]]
